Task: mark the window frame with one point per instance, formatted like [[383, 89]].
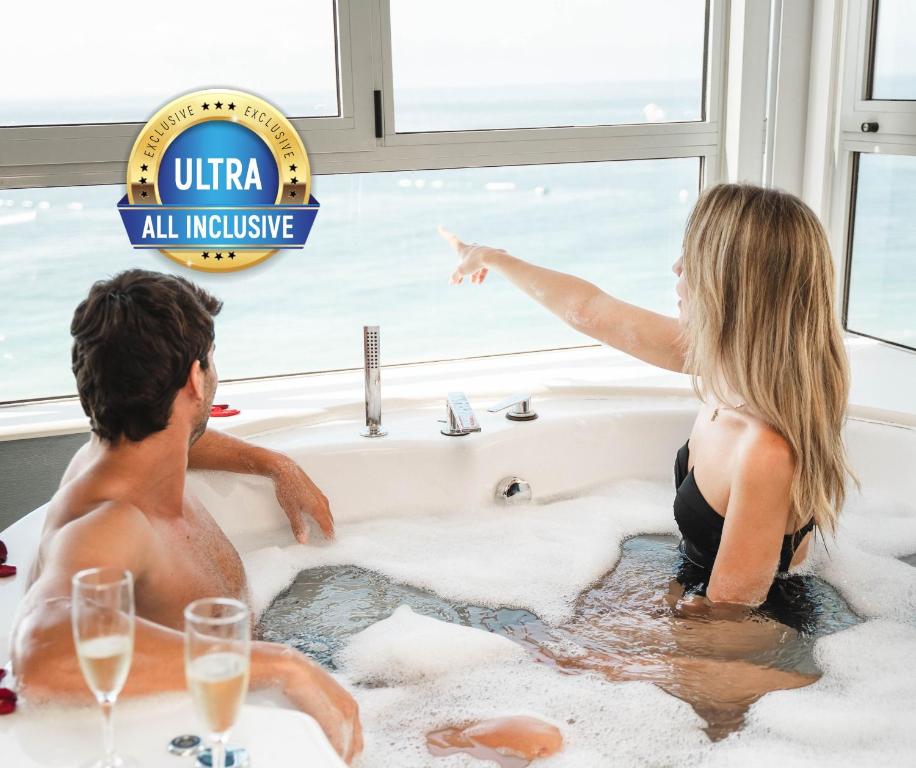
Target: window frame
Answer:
[[523, 146], [896, 136], [78, 154], [71, 155], [95, 154], [392, 138]]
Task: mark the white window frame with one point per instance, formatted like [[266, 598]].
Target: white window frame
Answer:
[[896, 136], [527, 146], [64, 155], [734, 107], [96, 153]]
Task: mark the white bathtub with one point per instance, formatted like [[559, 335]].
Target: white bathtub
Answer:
[[585, 436], [582, 438]]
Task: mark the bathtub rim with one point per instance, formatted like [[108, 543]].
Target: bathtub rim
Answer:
[[593, 367]]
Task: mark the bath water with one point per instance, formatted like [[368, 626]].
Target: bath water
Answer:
[[629, 625], [571, 612]]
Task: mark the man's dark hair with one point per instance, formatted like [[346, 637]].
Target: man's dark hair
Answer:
[[135, 337]]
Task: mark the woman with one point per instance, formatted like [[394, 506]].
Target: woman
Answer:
[[764, 465]]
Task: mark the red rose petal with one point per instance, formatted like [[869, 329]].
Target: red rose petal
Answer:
[[2, 673], [226, 412], [7, 570], [7, 701], [2, 552]]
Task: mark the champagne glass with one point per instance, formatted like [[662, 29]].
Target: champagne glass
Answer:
[[217, 654], [102, 613]]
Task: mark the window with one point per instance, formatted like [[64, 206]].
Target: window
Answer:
[[590, 165], [893, 76], [882, 269], [877, 172], [522, 64], [617, 223], [121, 64], [71, 115]]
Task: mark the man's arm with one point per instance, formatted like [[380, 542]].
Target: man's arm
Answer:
[[44, 654], [297, 494], [43, 651]]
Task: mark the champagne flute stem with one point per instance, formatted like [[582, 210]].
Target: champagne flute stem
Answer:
[[219, 750], [108, 731]]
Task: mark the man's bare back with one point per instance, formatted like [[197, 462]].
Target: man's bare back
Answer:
[[180, 557]]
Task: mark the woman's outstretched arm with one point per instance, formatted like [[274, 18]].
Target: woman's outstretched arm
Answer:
[[651, 337]]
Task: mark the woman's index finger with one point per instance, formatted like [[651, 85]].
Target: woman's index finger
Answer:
[[451, 237]]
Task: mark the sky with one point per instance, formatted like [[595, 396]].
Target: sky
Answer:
[[508, 42], [63, 52], [104, 48]]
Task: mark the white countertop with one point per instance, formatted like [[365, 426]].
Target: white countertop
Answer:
[[53, 737]]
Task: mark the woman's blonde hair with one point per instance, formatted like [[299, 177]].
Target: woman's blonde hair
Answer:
[[762, 322]]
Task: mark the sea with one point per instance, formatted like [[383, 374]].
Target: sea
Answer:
[[374, 256]]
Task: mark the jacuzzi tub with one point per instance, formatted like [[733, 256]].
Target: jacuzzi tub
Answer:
[[584, 437]]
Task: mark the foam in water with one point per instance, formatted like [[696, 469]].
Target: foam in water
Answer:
[[602, 723], [538, 558], [398, 649], [860, 712], [624, 627]]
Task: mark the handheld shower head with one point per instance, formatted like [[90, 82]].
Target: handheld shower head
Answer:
[[373, 382]]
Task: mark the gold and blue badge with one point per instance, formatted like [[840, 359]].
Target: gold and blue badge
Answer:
[[218, 181]]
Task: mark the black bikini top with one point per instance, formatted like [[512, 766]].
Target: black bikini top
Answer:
[[701, 526]]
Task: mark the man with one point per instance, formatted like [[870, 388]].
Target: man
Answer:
[[143, 361]]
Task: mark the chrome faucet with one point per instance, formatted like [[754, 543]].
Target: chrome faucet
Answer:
[[460, 416], [521, 410], [373, 383]]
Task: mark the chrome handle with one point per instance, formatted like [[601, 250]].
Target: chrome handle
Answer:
[[511, 400], [460, 416], [522, 411]]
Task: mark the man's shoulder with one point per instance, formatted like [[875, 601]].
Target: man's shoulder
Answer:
[[75, 464], [103, 524], [112, 533], [118, 516], [86, 499]]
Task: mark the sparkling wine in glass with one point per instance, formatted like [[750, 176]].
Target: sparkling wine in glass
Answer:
[[217, 652], [102, 613]]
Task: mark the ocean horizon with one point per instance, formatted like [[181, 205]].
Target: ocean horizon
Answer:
[[374, 257]]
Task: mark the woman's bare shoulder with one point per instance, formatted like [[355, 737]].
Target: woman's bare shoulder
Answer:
[[762, 448]]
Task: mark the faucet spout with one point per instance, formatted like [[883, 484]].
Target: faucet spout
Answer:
[[460, 419]]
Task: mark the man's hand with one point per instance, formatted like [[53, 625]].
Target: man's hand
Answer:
[[297, 494], [315, 692], [300, 497]]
